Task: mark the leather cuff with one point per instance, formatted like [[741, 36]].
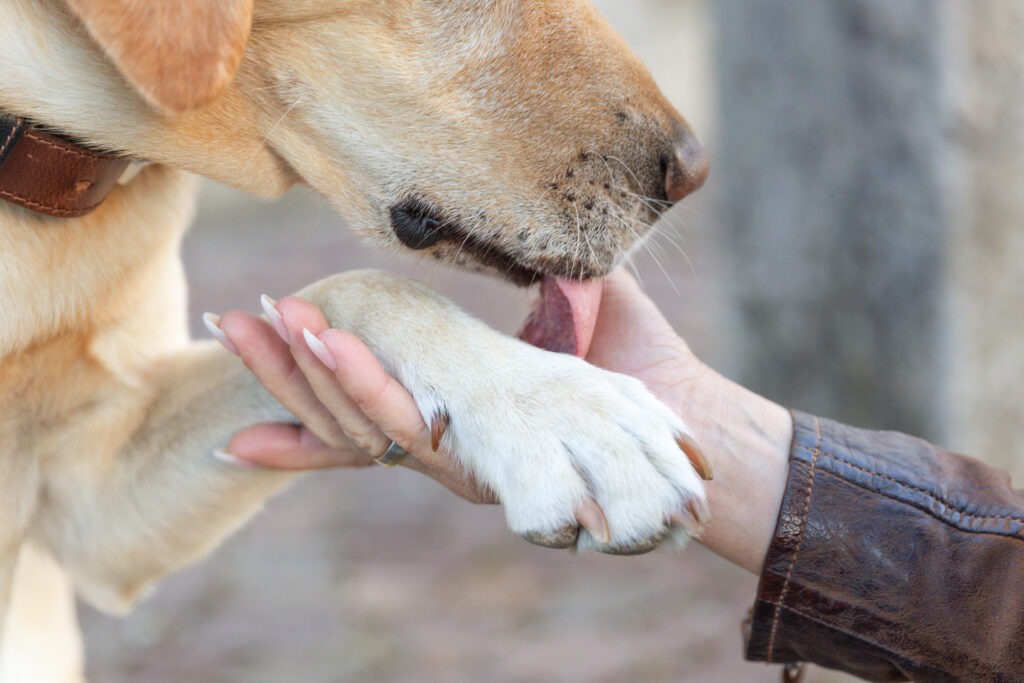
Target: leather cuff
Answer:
[[892, 560]]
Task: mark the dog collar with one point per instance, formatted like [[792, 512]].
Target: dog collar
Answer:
[[51, 175]]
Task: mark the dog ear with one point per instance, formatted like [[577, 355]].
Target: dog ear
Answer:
[[179, 54]]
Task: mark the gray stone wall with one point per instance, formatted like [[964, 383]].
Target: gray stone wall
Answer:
[[987, 251], [833, 166], [870, 187]]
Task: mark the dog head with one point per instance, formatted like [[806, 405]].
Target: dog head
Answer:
[[521, 137]]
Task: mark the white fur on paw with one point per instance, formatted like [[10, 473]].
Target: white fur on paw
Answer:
[[543, 431], [546, 431]]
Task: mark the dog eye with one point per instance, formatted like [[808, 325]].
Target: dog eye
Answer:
[[416, 225]]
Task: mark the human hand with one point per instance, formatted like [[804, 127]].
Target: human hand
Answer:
[[361, 409], [350, 408], [744, 436], [632, 337], [349, 414]]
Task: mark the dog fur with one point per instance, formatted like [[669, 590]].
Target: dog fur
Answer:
[[528, 127]]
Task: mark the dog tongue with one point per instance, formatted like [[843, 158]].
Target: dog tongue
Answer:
[[564, 315]]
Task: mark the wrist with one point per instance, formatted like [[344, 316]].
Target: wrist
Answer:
[[746, 439]]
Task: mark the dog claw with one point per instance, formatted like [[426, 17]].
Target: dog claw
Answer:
[[700, 463], [699, 510], [591, 517], [437, 429], [696, 517]]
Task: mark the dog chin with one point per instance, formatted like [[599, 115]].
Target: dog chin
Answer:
[[522, 270]]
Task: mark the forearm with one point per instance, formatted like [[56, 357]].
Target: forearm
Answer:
[[879, 554], [747, 439]]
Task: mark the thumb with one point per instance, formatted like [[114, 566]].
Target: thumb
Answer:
[[288, 447]]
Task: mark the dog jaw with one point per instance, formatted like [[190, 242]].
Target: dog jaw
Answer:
[[534, 138]]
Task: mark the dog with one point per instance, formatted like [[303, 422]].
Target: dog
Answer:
[[517, 138]]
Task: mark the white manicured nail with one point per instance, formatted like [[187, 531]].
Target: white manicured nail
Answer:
[[274, 316], [319, 349], [212, 322], [229, 459]]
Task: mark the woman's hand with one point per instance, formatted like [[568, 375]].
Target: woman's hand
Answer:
[[632, 337], [350, 409], [744, 436]]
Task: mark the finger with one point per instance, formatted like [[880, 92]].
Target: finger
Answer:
[[378, 395], [291, 447], [388, 404], [295, 448], [270, 360], [302, 322], [367, 401]]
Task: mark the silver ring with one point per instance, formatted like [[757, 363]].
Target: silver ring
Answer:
[[392, 456]]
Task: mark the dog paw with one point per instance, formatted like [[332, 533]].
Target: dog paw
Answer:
[[546, 432]]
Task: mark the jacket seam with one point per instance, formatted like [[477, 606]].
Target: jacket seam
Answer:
[[796, 549], [963, 512], [942, 520]]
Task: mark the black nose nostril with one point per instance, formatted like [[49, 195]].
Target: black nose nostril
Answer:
[[416, 225], [686, 169]]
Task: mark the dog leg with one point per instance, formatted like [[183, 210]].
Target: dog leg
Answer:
[[544, 431], [17, 506], [159, 500], [43, 643]]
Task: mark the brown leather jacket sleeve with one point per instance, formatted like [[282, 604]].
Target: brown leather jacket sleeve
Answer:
[[892, 560]]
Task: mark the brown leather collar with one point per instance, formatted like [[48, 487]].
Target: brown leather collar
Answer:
[[51, 175]]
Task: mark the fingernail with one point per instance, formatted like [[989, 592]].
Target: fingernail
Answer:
[[212, 322], [229, 459], [319, 349], [274, 317]]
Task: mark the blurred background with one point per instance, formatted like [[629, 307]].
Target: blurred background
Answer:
[[855, 254]]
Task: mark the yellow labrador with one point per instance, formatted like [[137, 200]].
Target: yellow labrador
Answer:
[[512, 136]]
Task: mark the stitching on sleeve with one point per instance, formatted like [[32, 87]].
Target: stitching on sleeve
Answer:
[[937, 499], [796, 550]]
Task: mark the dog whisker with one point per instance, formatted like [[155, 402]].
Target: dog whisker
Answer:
[[628, 169], [579, 232], [647, 247]]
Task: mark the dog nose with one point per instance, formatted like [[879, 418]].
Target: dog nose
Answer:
[[686, 168]]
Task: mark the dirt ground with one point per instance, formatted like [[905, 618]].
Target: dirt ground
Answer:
[[380, 575]]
